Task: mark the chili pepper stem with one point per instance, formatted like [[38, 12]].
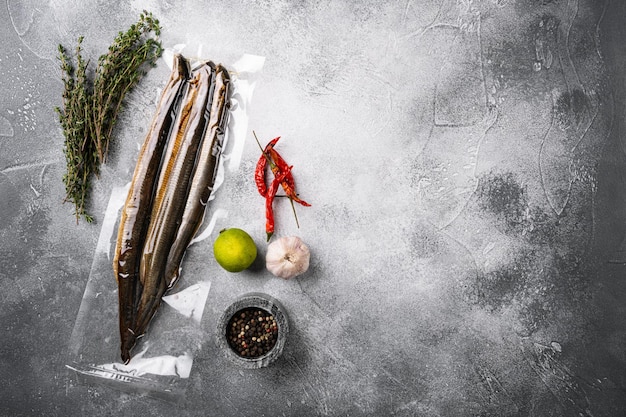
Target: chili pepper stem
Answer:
[[293, 208], [272, 164], [257, 141]]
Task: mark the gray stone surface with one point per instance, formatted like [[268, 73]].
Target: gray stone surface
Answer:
[[465, 164]]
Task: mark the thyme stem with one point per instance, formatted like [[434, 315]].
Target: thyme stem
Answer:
[[91, 106]]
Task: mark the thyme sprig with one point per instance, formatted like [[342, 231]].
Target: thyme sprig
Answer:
[[91, 106]]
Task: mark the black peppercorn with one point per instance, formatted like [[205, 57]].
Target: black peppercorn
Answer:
[[252, 332]]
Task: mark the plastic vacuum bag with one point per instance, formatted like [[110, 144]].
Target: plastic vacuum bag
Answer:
[[163, 359]]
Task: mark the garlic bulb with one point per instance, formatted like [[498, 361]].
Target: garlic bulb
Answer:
[[287, 257]]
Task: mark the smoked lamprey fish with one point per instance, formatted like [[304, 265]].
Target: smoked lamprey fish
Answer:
[[204, 175], [169, 192], [133, 225], [172, 192]]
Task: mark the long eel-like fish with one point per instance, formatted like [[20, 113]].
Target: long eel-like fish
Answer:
[[172, 192], [203, 177], [132, 226]]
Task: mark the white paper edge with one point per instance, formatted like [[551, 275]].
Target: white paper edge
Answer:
[[116, 201], [190, 302], [167, 365]]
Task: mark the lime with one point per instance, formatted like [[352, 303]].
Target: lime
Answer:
[[234, 250]]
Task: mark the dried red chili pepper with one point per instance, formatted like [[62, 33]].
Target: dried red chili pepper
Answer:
[[282, 177], [259, 175], [269, 201], [288, 183], [259, 172]]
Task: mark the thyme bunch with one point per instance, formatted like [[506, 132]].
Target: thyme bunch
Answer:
[[91, 106]]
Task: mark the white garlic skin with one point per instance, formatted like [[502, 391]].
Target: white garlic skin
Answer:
[[287, 257]]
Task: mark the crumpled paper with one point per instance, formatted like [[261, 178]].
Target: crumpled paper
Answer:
[[171, 341]]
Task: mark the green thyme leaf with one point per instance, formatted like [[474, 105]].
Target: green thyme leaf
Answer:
[[91, 106]]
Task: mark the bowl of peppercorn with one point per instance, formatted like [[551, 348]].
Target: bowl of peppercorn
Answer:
[[252, 331]]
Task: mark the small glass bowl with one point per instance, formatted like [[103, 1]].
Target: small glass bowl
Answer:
[[263, 302]]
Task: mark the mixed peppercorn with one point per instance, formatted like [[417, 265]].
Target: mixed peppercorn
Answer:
[[252, 332]]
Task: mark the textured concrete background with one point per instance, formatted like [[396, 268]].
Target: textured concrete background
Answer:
[[465, 162]]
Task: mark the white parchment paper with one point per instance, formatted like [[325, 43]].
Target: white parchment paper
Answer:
[[163, 358]]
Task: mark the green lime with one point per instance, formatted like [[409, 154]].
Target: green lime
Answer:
[[234, 250]]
